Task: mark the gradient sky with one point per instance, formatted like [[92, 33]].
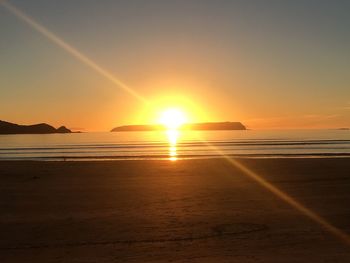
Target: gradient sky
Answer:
[[269, 64]]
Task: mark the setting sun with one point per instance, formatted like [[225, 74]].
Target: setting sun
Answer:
[[173, 118]]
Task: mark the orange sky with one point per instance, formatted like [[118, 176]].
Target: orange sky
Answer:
[[217, 61]]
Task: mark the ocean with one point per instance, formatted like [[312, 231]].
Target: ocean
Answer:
[[176, 145]]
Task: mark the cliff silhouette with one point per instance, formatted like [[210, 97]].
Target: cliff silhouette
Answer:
[[41, 128], [203, 126]]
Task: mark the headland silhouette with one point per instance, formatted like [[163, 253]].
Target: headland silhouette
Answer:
[[41, 128], [203, 126]]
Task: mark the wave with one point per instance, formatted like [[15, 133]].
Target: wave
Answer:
[[109, 146]]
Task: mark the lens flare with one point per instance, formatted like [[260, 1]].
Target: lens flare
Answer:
[[80, 56]]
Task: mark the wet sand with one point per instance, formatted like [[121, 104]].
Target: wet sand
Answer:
[[162, 211]]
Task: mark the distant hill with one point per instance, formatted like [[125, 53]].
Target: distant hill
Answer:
[[204, 126], [42, 128], [138, 128]]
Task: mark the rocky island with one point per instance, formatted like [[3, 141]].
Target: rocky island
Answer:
[[41, 128], [203, 126]]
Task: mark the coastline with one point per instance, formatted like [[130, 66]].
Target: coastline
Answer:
[[166, 157], [156, 146], [183, 211]]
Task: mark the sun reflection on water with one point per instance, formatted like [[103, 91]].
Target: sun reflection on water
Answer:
[[173, 136]]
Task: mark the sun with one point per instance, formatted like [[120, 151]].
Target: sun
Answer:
[[173, 118]]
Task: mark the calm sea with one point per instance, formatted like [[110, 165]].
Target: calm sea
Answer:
[[176, 145]]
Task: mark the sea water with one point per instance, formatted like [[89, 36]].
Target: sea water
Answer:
[[176, 145]]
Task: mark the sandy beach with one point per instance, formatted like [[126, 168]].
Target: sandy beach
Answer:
[[162, 211]]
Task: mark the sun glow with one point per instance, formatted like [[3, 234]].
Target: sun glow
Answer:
[[173, 118]]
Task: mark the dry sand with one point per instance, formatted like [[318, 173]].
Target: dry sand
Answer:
[[162, 211]]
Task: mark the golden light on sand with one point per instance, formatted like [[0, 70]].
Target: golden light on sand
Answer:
[[173, 118]]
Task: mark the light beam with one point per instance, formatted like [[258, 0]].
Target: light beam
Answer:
[[345, 238], [70, 49]]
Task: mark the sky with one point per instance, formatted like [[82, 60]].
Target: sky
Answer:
[[270, 64]]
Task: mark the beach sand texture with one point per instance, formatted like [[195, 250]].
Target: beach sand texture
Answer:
[[163, 211]]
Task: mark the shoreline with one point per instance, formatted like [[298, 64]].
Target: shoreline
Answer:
[[178, 158]]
